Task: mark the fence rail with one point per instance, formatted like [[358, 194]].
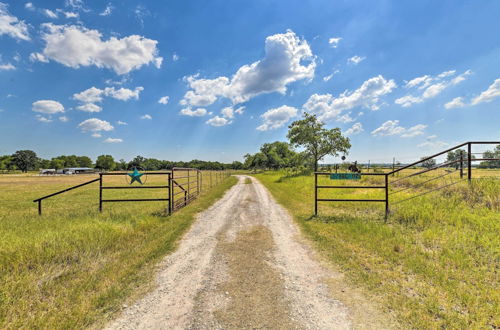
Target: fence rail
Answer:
[[465, 158], [187, 182]]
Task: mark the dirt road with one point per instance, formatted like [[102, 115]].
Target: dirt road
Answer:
[[241, 265]]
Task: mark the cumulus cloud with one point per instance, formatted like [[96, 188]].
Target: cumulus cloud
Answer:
[[334, 42], [49, 13], [76, 46], [29, 6], [240, 110], [146, 116], [119, 122], [287, 59], [47, 107], [355, 129], [277, 117], [96, 135], [431, 143], [218, 121], [430, 86], [200, 112], [37, 57], [107, 11], [328, 107], [95, 125], [93, 95], [163, 100], [89, 107], [356, 59], [392, 127], [488, 95], [457, 102], [227, 112], [7, 67], [11, 25], [112, 140], [43, 119]]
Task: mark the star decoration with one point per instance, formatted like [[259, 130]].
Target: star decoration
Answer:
[[136, 176]]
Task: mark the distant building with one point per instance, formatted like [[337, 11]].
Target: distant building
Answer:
[[48, 171], [78, 170]]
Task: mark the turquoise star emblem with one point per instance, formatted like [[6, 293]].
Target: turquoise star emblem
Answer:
[[136, 176]]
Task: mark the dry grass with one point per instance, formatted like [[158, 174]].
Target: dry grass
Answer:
[[435, 263], [73, 267]]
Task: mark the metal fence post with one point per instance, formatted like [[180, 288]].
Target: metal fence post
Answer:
[[469, 161], [39, 207], [315, 193], [461, 164], [386, 196], [100, 192], [169, 194]]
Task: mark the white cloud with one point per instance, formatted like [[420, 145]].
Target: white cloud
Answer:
[[356, 59], [90, 95], [119, 122], [112, 140], [193, 113], [34, 57], [64, 119], [47, 107], [227, 112], [218, 121], [146, 116], [334, 42], [123, 94], [69, 14], [488, 95], [95, 95], [49, 13], [457, 102], [431, 86], [345, 118], [107, 11], [391, 127], [163, 100], [76, 4], [330, 76], [95, 125], [328, 107], [11, 25], [240, 110], [282, 64], [89, 107], [414, 131], [43, 119], [175, 57], [96, 135], [355, 129], [433, 145], [29, 6], [76, 46], [7, 67], [277, 117]]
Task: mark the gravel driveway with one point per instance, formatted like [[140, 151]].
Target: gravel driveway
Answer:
[[241, 265]]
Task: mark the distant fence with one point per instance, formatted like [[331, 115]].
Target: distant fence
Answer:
[[460, 165], [182, 186]]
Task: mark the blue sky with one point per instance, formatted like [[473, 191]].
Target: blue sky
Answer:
[[214, 80]]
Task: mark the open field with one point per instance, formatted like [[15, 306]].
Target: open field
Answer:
[[436, 262], [73, 266]]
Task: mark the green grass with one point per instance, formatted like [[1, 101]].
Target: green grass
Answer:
[[435, 263], [73, 267]]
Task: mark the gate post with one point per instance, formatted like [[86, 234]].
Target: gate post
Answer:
[[315, 193], [469, 161], [386, 196], [461, 164], [169, 194], [100, 192]]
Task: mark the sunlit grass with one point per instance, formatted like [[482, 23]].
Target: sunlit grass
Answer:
[[435, 263], [72, 266]]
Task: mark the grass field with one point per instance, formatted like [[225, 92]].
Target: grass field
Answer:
[[73, 267], [434, 264]]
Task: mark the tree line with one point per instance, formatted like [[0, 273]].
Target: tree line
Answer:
[[27, 160]]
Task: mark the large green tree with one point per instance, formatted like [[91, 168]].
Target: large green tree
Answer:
[[25, 160], [310, 133], [105, 162]]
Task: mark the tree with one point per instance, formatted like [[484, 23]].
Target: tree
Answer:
[[84, 161], [310, 134], [25, 159], [429, 163], [491, 154], [57, 163], [105, 162]]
